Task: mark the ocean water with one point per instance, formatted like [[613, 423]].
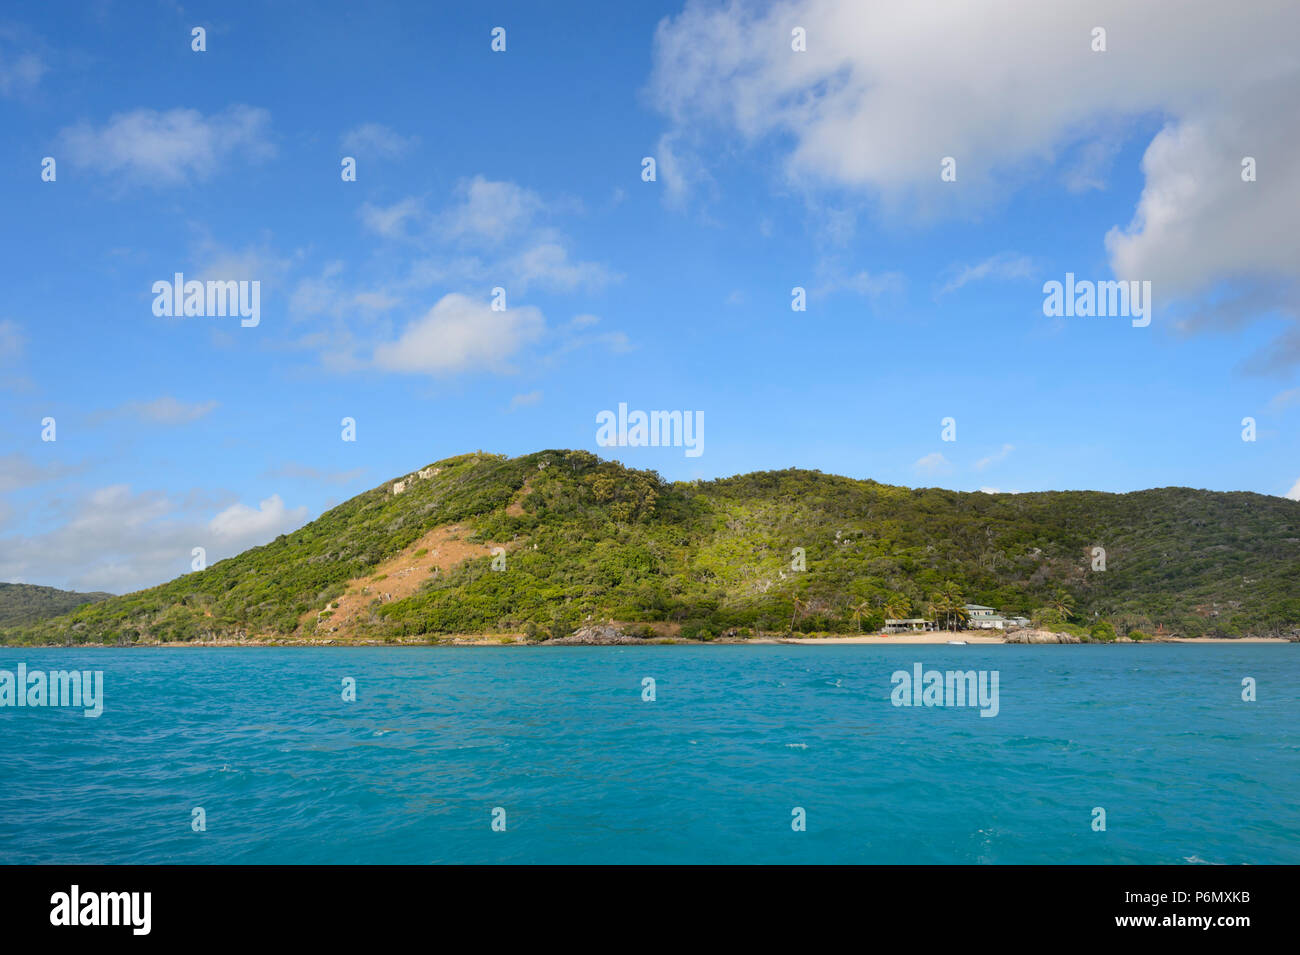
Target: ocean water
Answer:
[[710, 771]]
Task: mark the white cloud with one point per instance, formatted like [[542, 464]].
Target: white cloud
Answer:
[[489, 211], [20, 470], [172, 147], [549, 265], [374, 301], [1284, 399], [1092, 165], [1008, 92], [932, 463], [492, 233], [242, 525], [20, 73], [167, 410], [375, 139], [325, 294], [677, 170], [525, 400], [459, 334], [252, 263], [1294, 493], [861, 283], [995, 457], [500, 224], [119, 541], [1004, 265], [390, 221]]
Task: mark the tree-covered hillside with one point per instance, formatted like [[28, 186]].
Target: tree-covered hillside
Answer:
[[587, 539], [28, 603]]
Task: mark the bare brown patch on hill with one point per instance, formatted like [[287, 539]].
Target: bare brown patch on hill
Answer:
[[516, 507], [396, 578]]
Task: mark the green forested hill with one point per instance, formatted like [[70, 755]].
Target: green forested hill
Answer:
[[590, 539], [28, 603]]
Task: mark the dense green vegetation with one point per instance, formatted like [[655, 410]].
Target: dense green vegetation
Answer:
[[28, 603], [592, 540]]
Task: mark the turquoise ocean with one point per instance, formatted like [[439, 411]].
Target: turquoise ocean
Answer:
[[713, 770]]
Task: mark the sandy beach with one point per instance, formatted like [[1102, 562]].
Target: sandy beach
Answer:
[[982, 637], [877, 639]]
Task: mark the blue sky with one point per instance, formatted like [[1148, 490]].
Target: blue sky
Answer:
[[521, 169]]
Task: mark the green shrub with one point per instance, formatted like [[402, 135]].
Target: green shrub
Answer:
[[1103, 631]]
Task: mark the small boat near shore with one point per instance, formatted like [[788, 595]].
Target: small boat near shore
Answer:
[[956, 643]]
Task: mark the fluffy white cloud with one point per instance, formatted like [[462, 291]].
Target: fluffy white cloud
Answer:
[[1008, 89], [240, 524], [1294, 493], [458, 334], [489, 211], [500, 223], [171, 147], [116, 540]]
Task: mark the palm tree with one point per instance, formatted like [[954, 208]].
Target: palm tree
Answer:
[[858, 611], [936, 611], [800, 605], [956, 604], [1062, 603], [897, 607], [949, 605]]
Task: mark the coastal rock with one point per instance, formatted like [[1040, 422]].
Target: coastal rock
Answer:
[[1040, 636], [598, 635]]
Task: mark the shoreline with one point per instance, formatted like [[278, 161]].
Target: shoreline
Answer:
[[977, 638]]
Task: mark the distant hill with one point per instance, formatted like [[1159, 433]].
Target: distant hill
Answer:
[[28, 603], [580, 538]]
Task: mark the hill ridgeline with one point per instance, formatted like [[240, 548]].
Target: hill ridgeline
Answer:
[[546, 543]]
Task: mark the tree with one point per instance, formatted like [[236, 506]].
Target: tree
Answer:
[[1062, 603], [1045, 617], [949, 606], [858, 610], [800, 605], [897, 607], [1103, 632]]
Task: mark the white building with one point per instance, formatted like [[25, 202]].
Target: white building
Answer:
[[986, 618], [908, 625]]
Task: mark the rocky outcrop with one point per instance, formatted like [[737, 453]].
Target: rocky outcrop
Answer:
[[1040, 636], [422, 475], [597, 635]]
